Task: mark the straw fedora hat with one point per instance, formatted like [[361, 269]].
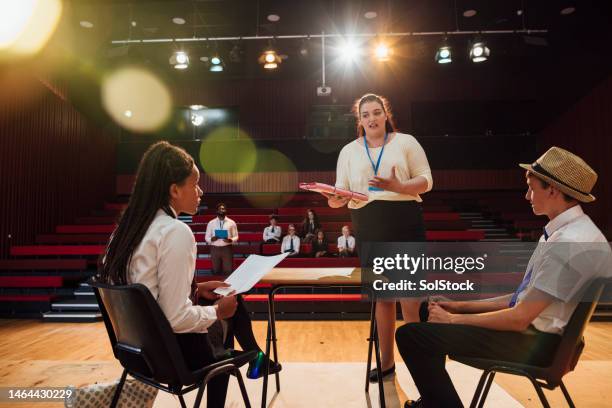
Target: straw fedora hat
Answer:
[[566, 171]]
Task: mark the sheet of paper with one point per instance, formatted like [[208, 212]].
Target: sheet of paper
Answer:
[[250, 272]]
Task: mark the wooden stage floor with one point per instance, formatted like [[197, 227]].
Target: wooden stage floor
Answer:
[[36, 354]]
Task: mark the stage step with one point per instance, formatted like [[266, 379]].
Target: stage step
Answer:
[[72, 317], [76, 305]]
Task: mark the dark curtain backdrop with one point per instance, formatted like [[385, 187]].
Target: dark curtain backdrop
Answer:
[[586, 129], [54, 164]]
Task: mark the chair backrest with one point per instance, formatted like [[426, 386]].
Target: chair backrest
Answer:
[[140, 335], [572, 342]]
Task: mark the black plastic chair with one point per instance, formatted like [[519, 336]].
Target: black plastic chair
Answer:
[[564, 360], [145, 345]]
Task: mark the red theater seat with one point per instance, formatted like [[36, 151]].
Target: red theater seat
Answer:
[[274, 249], [72, 238], [306, 298], [31, 281], [27, 298], [41, 250], [42, 264], [454, 235], [237, 249], [238, 218], [85, 229], [301, 211]]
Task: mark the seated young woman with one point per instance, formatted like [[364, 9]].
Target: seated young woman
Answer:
[[152, 247]]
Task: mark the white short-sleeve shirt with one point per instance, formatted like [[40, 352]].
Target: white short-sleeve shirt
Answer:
[[575, 252]]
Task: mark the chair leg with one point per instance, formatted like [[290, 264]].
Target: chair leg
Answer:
[[567, 396], [370, 346], [199, 395], [182, 401], [538, 388], [486, 389], [478, 391], [118, 390], [243, 391]]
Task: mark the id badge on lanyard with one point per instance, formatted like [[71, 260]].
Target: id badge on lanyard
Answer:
[[377, 165]]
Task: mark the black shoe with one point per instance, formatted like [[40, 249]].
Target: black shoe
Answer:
[[413, 404], [257, 367], [373, 376]]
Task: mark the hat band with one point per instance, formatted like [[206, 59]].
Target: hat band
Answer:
[[536, 166]]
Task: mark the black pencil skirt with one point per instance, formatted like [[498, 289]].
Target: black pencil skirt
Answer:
[[388, 221]]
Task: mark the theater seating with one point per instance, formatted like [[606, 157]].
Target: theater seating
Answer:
[[39, 274]]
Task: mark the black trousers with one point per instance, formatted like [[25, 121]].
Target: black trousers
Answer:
[[221, 257], [198, 350], [424, 347]]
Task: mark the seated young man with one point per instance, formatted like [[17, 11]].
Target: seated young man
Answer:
[[272, 233], [291, 242], [346, 243], [525, 326]]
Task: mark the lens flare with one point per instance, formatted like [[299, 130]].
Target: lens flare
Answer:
[[228, 155], [135, 90], [27, 25], [274, 173]]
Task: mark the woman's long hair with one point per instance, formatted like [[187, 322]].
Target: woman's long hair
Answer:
[[161, 166], [315, 219], [384, 102]]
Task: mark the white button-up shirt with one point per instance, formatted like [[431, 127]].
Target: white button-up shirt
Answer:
[[225, 224], [575, 253], [164, 262]]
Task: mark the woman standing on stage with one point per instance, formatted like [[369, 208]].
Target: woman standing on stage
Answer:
[[392, 169]]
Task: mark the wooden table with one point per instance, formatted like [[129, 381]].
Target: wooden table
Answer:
[[281, 278]]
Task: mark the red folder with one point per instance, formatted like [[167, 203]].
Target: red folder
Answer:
[[326, 188]]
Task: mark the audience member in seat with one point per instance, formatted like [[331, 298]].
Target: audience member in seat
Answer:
[[310, 226], [291, 242], [272, 233], [319, 245], [524, 326], [152, 247], [221, 253], [391, 168], [346, 243]]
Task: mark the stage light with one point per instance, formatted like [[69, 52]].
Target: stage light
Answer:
[[235, 54], [349, 51], [444, 55], [216, 68], [269, 59], [179, 60], [304, 48], [215, 60], [197, 120], [479, 52], [382, 52]]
